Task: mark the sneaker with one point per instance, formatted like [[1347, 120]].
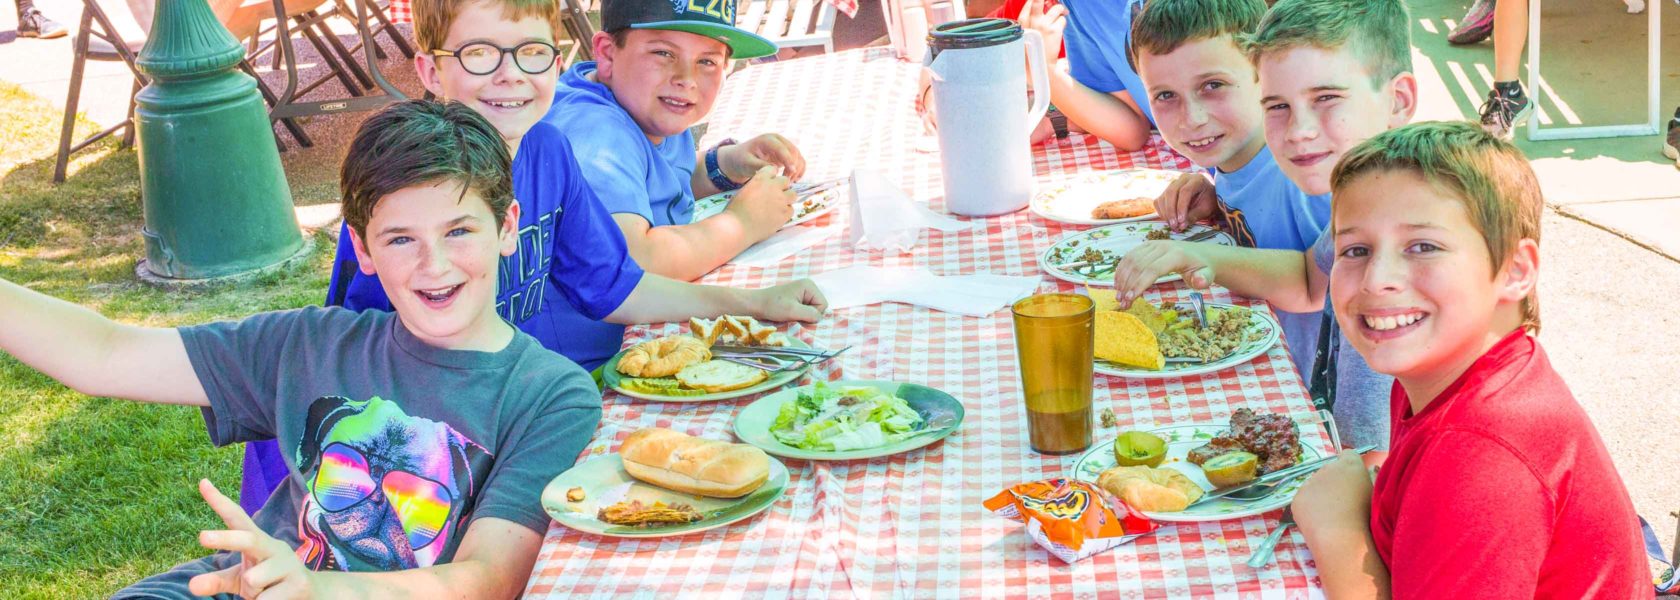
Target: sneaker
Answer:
[[1671, 145], [1502, 114], [33, 24], [1476, 25]]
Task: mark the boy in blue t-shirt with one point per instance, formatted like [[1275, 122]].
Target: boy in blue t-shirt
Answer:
[[1206, 102], [1099, 91], [659, 66], [417, 443]]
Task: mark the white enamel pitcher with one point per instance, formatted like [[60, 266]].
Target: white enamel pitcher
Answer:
[[979, 82]]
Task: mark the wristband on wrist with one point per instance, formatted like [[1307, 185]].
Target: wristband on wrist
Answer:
[[715, 173]]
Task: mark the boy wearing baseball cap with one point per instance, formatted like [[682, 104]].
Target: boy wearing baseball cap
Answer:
[[659, 64]]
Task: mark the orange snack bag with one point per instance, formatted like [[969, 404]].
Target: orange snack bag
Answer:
[[1071, 519]]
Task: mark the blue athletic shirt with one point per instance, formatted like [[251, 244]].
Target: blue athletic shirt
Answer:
[[628, 173], [572, 267], [1096, 37], [1279, 216]]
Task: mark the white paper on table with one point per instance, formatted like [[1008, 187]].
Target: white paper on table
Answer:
[[884, 218], [776, 248], [975, 295]]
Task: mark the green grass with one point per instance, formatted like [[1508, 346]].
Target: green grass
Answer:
[[97, 493]]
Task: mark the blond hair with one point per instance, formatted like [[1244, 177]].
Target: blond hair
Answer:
[[432, 18], [1488, 175], [1377, 31]]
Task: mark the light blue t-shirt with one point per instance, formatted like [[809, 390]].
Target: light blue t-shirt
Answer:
[[1279, 216], [1097, 35], [1362, 395], [628, 173]]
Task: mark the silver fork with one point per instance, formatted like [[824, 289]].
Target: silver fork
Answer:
[[1263, 553], [1198, 237], [777, 365]]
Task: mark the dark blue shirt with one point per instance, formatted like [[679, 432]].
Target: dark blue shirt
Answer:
[[571, 270]]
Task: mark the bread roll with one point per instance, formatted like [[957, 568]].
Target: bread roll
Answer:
[[678, 461], [715, 376], [1150, 490]]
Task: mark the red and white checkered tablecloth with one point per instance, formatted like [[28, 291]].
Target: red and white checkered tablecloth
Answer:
[[912, 525]]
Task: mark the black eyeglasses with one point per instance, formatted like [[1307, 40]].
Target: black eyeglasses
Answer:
[[483, 58]]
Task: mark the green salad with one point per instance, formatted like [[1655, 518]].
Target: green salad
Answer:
[[838, 420]]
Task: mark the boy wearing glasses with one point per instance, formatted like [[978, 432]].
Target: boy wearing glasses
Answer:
[[417, 442], [659, 65]]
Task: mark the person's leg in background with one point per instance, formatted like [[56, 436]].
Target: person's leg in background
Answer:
[[1476, 25], [1671, 144], [33, 24], [1507, 105]]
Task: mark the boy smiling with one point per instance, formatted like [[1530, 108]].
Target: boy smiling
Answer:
[[1497, 483], [416, 443], [659, 66]]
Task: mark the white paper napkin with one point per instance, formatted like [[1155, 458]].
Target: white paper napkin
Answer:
[[974, 295], [776, 248], [884, 218]]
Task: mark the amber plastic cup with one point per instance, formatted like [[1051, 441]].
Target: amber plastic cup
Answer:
[[1053, 338]]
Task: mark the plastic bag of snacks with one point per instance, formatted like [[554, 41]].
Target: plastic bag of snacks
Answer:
[[1072, 519]]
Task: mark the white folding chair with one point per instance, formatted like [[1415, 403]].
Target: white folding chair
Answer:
[[789, 23]]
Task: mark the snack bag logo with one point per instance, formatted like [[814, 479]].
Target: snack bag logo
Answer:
[[723, 10], [1068, 506]]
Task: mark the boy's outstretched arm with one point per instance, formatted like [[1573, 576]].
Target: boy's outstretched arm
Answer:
[[1284, 278], [95, 355], [493, 561], [660, 300], [1114, 117]]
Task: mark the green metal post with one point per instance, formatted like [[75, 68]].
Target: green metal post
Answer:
[[216, 199]]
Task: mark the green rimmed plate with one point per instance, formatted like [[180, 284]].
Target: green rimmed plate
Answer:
[[1270, 333], [1181, 439], [605, 482], [615, 380], [1113, 242], [942, 413]]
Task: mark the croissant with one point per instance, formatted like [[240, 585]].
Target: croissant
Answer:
[[663, 357], [1150, 490]]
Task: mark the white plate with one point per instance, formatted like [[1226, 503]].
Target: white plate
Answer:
[[613, 379], [605, 482], [1181, 439], [806, 207], [1262, 322], [1073, 199], [1116, 240], [938, 409]]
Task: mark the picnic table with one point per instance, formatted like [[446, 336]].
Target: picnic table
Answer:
[[912, 525]]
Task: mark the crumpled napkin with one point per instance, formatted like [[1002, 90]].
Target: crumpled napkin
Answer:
[[975, 295], [776, 248], [884, 218]]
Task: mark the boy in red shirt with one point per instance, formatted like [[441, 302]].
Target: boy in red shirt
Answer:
[[1496, 484]]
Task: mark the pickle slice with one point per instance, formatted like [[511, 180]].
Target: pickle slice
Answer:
[[663, 386], [1139, 448], [1231, 468]]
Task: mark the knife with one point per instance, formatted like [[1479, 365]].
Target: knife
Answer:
[[1299, 470]]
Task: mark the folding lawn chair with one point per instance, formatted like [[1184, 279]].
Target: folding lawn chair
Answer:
[[95, 24], [789, 23]]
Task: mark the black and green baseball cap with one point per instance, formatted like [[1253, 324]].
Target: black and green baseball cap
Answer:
[[711, 18]]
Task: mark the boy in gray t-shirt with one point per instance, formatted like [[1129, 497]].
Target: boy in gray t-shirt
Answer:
[[419, 440]]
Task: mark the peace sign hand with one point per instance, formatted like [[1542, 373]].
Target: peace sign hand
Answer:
[[268, 568]]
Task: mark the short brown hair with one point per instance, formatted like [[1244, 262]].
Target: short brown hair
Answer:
[[1489, 175], [1377, 31], [423, 142], [1161, 26], [432, 18]]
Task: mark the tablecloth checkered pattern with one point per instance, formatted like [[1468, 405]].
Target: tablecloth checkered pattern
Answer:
[[912, 525]]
